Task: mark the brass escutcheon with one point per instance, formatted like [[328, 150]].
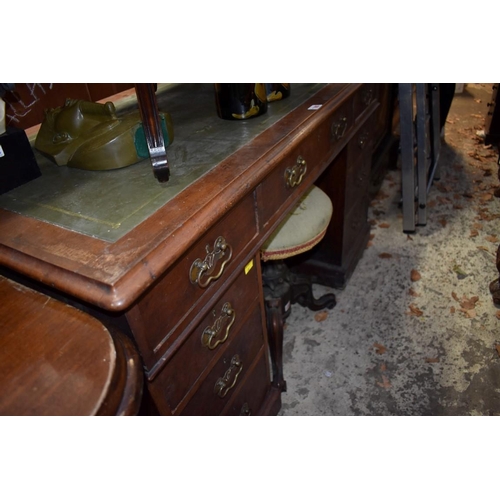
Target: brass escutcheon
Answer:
[[339, 127], [225, 383], [200, 268], [209, 336], [295, 174]]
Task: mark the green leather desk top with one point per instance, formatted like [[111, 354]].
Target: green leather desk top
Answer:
[[108, 204]]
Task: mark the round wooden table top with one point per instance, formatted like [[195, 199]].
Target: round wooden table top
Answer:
[[54, 359]]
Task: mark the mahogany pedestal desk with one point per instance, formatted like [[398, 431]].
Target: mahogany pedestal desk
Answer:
[[177, 265]]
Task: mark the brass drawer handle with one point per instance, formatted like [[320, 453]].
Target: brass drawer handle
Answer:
[[245, 410], [363, 139], [367, 96], [209, 335], [339, 127], [227, 382], [295, 174], [200, 268]]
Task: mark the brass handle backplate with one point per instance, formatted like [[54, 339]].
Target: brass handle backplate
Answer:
[[225, 383], [201, 270], [295, 174], [209, 337], [339, 127]]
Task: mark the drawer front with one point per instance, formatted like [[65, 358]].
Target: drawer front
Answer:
[[180, 295], [359, 166], [281, 189], [341, 124], [229, 371], [249, 398], [365, 96], [209, 339]]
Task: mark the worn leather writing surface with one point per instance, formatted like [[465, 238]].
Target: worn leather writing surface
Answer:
[[108, 204]]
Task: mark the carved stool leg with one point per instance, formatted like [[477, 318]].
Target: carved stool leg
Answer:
[[281, 289], [275, 326]]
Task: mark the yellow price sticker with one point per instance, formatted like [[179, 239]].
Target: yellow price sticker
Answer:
[[248, 267]]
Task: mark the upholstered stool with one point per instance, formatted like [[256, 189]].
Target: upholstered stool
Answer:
[[301, 230]]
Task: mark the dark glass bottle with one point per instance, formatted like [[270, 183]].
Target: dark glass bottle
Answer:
[[240, 101], [277, 91]]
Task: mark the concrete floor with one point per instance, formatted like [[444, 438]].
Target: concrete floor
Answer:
[[427, 346]]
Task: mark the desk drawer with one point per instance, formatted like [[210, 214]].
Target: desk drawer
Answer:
[[282, 188], [226, 376], [177, 299], [208, 339], [341, 124], [359, 165], [367, 94]]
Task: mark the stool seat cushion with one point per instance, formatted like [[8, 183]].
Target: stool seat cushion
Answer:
[[303, 228]]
